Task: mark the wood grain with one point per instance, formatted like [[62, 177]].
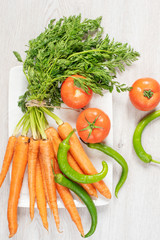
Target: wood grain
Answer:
[[136, 214]]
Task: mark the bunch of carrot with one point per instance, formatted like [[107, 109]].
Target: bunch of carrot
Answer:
[[38, 151]]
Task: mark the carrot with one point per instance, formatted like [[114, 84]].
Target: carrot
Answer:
[[32, 160], [40, 196], [44, 181], [7, 158], [47, 154], [56, 140], [18, 169], [81, 158], [69, 202]]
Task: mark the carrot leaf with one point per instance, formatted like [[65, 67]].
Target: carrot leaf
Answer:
[[18, 56], [73, 46]]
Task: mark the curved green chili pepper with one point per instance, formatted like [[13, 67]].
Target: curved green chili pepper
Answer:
[[70, 172], [112, 153], [76, 188], [145, 157]]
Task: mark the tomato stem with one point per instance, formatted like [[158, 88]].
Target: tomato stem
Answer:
[[148, 93], [91, 126]]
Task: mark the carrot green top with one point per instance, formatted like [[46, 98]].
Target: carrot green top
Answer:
[[68, 47]]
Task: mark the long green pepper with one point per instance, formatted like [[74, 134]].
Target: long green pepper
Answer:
[[70, 172], [114, 154], [77, 189], [141, 153]]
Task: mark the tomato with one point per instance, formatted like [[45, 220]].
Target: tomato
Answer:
[[93, 125], [74, 96], [145, 94]]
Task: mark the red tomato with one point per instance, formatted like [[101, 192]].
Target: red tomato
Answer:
[[73, 96], [93, 125], [145, 94]]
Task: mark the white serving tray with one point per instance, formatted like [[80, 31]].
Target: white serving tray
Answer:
[[17, 87]]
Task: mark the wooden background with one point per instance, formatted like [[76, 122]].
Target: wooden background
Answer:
[[136, 214]]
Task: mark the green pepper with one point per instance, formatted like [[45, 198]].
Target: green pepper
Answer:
[[141, 153], [70, 172], [112, 153], [77, 189]]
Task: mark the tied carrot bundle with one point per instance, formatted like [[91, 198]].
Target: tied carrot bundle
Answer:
[[32, 160], [47, 154], [69, 202], [7, 158], [56, 140], [81, 157], [18, 169], [40, 196]]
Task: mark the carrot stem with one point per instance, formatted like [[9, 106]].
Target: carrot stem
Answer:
[[26, 76], [52, 115], [88, 51], [19, 124], [44, 121], [33, 123], [39, 122], [26, 125]]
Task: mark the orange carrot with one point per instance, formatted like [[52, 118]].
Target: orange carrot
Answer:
[[69, 202], [81, 157], [47, 154], [7, 158], [56, 140], [44, 180], [18, 169], [32, 160], [40, 196]]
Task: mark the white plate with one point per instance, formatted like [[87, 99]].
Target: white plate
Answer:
[[17, 87]]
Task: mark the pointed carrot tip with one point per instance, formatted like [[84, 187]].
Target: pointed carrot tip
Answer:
[[11, 235], [31, 216], [58, 229], [13, 232], [80, 228], [82, 234], [95, 195], [46, 226], [57, 225], [107, 194], [110, 196]]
